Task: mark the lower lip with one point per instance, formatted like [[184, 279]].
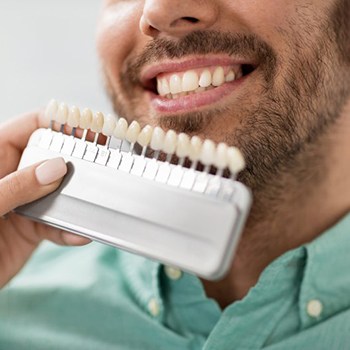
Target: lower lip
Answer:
[[194, 101]]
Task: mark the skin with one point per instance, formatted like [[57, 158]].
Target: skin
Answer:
[[291, 117], [19, 237]]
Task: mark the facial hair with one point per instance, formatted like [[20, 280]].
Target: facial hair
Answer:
[[302, 95]]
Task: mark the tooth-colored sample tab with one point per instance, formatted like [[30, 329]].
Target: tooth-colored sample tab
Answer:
[[74, 117], [183, 145], [109, 125], [195, 148], [218, 76], [190, 81], [205, 79], [221, 160], [170, 142], [144, 138], [62, 113], [157, 139], [121, 129], [236, 162], [97, 122], [51, 110], [207, 156], [86, 119], [133, 132], [175, 84]]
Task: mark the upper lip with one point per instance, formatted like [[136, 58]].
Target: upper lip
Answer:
[[151, 71]]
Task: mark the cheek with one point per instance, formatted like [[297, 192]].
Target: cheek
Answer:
[[117, 34], [263, 13], [281, 23], [268, 19]]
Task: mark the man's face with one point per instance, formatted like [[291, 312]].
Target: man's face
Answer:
[[289, 59]]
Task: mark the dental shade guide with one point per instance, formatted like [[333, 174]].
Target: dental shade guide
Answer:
[[168, 212]]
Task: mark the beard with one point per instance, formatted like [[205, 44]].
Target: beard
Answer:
[[302, 93]]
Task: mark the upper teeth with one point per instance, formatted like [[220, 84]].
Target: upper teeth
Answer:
[[193, 80]]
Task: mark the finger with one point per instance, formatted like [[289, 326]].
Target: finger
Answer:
[[14, 135], [69, 239], [31, 183], [59, 236], [73, 239], [16, 131]]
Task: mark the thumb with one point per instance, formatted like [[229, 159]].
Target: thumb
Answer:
[[28, 184]]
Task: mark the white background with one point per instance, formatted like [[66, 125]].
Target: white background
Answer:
[[47, 50]]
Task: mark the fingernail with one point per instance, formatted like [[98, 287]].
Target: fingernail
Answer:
[[51, 171]]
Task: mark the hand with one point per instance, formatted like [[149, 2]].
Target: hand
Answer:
[[18, 236]]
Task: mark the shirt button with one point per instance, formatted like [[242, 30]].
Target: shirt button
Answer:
[[172, 272], [153, 307], [314, 308]]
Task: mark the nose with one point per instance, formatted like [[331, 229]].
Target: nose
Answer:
[[177, 17]]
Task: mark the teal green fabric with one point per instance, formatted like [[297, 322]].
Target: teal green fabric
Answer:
[[97, 297]]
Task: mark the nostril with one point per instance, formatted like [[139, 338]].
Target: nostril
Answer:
[[190, 19]]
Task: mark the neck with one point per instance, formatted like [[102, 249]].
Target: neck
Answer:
[[297, 208]]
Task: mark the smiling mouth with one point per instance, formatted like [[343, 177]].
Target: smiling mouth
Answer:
[[173, 85]]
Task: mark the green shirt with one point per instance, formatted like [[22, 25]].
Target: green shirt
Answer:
[[97, 297]]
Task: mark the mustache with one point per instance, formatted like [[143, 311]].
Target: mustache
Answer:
[[201, 43]]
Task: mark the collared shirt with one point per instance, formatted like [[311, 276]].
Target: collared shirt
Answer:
[[97, 297]]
